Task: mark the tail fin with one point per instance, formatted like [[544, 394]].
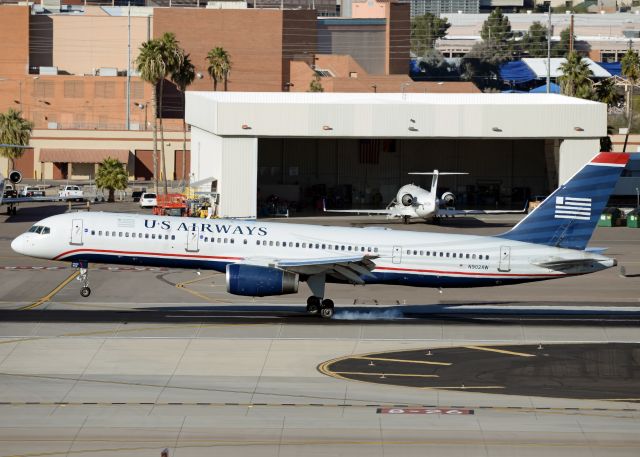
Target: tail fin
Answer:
[[568, 216], [435, 174]]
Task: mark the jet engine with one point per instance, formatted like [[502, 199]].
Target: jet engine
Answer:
[[257, 281], [448, 199], [15, 176], [407, 199]]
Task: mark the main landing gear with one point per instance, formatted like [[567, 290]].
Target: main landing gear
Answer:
[[317, 304], [11, 210], [83, 267]]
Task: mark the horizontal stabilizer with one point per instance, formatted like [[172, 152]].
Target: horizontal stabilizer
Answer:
[[439, 173]]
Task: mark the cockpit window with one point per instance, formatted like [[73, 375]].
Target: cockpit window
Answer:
[[40, 229]]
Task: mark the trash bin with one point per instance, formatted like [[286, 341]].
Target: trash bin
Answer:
[[633, 218], [610, 217]]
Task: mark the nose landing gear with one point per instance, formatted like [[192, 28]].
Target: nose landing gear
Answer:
[[83, 267]]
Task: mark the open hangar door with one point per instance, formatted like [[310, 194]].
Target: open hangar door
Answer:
[[295, 174]]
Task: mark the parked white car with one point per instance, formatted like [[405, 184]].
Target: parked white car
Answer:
[[71, 192], [148, 200], [32, 191]]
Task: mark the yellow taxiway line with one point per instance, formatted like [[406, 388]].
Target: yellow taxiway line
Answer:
[[50, 295], [501, 351], [389, 374]]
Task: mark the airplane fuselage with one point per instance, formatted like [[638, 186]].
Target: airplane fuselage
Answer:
[[401, 257]]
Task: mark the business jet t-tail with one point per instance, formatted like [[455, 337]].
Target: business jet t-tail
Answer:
[[266, 258], [414, 202]]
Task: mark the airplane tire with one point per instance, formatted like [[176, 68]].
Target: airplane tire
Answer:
[[14, 211], [85, 292], [326, 313], [313, 305]]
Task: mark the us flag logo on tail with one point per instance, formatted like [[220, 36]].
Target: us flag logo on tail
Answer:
[[573, 208]]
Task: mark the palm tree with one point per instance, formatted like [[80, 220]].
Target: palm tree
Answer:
[[112, 176], [152, 68], [630, 64], [158, 59], [182, 77], [16, 130], [607, 92], [574, 80], [219, 66]]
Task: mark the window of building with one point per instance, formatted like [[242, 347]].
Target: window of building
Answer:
[[105, 89], [74, 89]]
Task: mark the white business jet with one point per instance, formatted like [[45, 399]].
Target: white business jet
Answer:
[[415, 202], [266, 258]]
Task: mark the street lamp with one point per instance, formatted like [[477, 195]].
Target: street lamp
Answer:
[[143, 106], [375, 88]]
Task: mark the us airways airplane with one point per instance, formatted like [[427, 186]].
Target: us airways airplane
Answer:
[[263, 258], [415, 202]]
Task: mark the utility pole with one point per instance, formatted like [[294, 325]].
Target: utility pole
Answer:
[[571, 33], [549, 53], [128, 107]]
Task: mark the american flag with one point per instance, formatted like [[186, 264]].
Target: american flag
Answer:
[[573, 208]]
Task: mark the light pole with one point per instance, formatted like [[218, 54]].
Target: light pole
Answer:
[[403, 87], [637, 197], [375, 88], [143, 106]]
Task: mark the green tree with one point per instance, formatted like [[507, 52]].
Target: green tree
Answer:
[[315, 85], [157, 60], [561, 48], [630, 66], [434, 65], [482, 66], [606, 91], [111, 176], [14, 129], [425, 30], [219, 66], [534, 42], [182, 77], [574, 80], [496, 32]]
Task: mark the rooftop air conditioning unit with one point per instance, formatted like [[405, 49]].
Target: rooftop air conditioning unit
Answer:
[[107, 71], [49, 71]]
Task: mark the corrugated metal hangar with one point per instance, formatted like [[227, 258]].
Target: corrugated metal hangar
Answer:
[[357, 148]]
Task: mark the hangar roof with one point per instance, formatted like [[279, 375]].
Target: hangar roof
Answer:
[[395, 115]]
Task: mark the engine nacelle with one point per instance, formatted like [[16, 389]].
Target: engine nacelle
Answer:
[[448, 199], [15, 176], [256, 281], [407, 199]]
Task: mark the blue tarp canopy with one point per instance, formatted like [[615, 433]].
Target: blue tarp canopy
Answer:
[[615, 68], [516, 72], [555, 89]]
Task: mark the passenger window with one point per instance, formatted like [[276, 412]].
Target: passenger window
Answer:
[[257, 242], [113, 233], [480, 257], [454, 255], [324, 246], [317, 245], [362, 249], [173, 237], [277, 243], [206, 238], [270, 243], [342, 248], [233, 240], [348, 248], [310, 245], [290, 244], [146, 235], [375, 249], [133, 235], [369, 249], [126, 234], [428, 253], [264, 242], [447, 254], [486, 257], [99, 232], [225, 240], [442, 254], [297, 245], [467, 256], [244, 241], [153, 236], [329, 246], [408, 252], [304, 245], [473, 256], [415, 252], [337, 247], [93, 232], [421, 253], [120, 234]]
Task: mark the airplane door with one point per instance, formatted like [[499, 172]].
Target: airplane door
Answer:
[[505, 259], [76, 231], [397, 254], [192, 239]]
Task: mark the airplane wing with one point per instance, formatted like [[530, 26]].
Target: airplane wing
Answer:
[[349, 268], [446, 212], [32, 199], [387, 211]]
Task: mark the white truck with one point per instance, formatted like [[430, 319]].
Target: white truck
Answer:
[[71, 192]]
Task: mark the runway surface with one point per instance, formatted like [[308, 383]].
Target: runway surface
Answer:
[[160, 359]]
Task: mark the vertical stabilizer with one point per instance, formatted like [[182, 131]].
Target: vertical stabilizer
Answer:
[[568, 217]]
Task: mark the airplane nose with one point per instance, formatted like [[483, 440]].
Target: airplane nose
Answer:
[[19, 244]]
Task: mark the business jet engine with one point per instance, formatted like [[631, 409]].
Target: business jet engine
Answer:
[[15, 176], [407, 199], [258, 281], [448, 199]]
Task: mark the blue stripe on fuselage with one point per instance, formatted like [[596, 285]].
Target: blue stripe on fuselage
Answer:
[[376, 277]]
